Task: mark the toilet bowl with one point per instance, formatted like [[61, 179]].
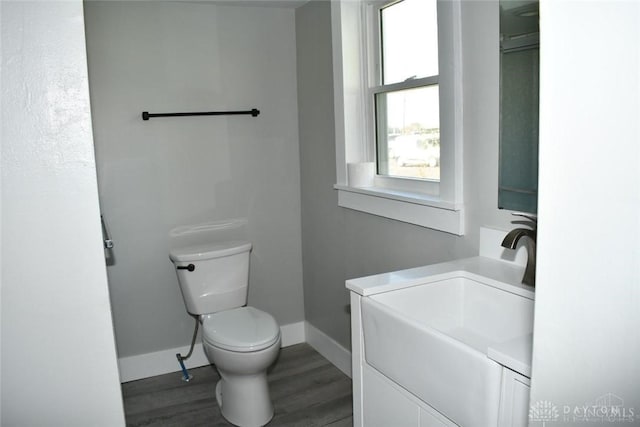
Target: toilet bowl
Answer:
[[241, 341]]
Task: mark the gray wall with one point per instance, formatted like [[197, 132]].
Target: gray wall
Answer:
[[161, 174], [338, 243]]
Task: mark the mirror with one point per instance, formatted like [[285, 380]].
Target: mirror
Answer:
[[519, 88]]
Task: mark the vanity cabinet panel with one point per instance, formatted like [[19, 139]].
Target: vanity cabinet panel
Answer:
[[514, 401], [384, 405], [387, 404], [429, 419]]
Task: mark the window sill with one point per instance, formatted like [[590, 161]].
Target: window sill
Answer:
[[413, 208]]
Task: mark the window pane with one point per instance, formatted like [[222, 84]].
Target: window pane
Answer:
[[409, 31], [408, 133]]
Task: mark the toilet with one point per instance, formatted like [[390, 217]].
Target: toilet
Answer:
[[241, 341]]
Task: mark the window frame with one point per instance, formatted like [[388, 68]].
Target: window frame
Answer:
[[376, 85], [417, 185], [356, 60]]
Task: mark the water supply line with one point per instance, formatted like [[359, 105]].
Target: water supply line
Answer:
[[186, 376]]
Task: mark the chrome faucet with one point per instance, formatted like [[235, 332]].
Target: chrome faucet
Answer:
[[511, 242]]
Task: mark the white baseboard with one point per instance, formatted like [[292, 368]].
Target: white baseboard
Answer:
[[292, 334], [160, 362], [329, 348], [164, 361]]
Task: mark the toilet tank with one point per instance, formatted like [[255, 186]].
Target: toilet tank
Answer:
[[219, 279]]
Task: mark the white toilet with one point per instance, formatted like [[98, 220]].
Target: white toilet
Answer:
[[241, 341]]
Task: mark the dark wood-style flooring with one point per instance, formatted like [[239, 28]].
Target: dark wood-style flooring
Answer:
[[306, 390]]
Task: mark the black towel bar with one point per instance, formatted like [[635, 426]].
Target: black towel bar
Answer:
[[253, 112]]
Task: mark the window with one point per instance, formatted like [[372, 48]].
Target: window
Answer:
[[406, 95], [398, 107]]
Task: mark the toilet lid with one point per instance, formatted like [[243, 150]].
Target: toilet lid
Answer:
[[242, 329]]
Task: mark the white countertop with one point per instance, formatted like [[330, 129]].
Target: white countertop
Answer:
[[514, 354], [491, 271]]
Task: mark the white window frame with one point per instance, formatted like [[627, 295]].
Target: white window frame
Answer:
[[355, 56], [427, 186], [373, 53]]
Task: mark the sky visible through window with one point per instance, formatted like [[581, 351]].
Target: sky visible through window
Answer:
[[410, 50]]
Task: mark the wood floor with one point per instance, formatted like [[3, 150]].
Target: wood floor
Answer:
[[306, 390]]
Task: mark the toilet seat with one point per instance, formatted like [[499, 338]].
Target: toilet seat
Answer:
[[243, 329]]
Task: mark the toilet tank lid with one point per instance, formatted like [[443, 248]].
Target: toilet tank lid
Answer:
[[209, 250]]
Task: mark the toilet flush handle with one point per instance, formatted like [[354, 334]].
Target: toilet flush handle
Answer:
[[189, 267]]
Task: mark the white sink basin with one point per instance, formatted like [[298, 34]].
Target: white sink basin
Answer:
[[433, 340]]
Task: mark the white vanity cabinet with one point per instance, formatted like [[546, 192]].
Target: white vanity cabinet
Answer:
[[514, 399], [385, 403], [433, 375]]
